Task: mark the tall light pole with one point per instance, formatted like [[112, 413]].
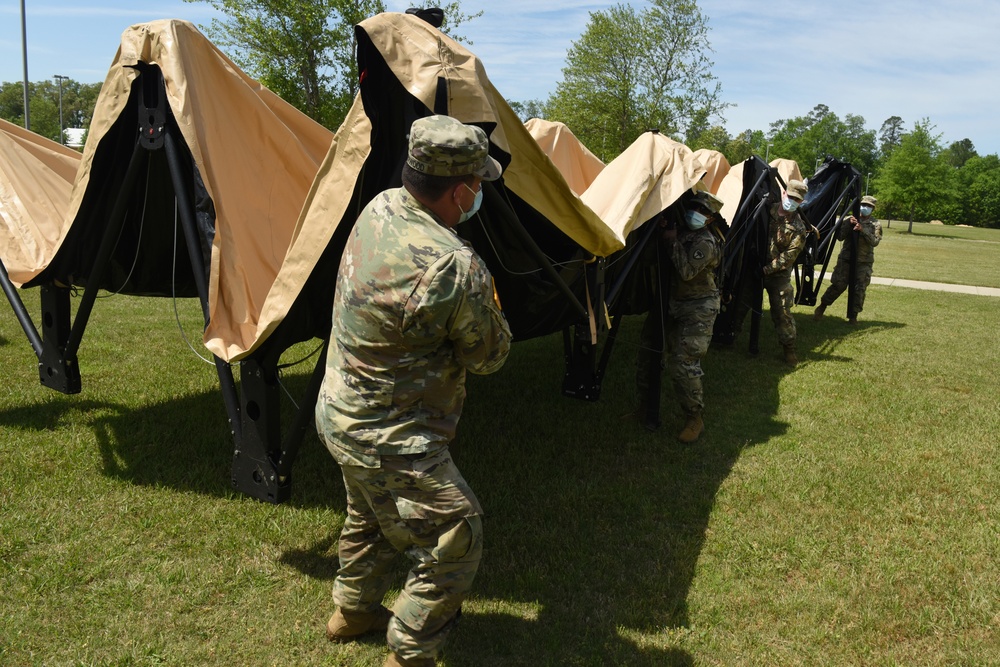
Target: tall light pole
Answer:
[[767, 153], [24, 55], [866, 182], [62, 137]]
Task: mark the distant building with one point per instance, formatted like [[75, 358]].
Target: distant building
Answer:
[[75, 136]]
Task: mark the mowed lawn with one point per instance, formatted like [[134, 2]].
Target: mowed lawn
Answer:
[[845, 512], [938, 253]]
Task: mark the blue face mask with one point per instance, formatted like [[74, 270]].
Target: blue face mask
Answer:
[[475, 204], [866, 211], [695, 220], [789, 204]]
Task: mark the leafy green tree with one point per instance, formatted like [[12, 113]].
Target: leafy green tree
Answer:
[[978, 187], [78, 101], [633, 71], [916, 178], [959, 152], [809, 139], [303, 50], [528, 110], [890, 135]]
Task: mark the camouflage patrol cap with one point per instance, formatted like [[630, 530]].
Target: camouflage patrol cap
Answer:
[[708, 200], [797, 189], [443, 146], [869, 200]]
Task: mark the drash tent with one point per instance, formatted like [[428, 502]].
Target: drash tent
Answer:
[[573, 160], [834, 191], [190, 185], [535, 234], [191, 161], [649, 176], [716, 167], [638, 193], [36, 182], [747, 192], [249, 156], [545, 247]]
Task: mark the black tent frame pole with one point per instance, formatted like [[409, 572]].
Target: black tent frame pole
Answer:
[[734, 246], [543, 261], [23, 317], [103, 259], [746, 202], [651, 227], [226, 380], [296, 432], [757, 305]]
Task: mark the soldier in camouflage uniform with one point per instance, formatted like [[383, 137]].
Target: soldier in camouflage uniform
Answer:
[[694, 251], [414, 310], [870, 235], [787, 231]]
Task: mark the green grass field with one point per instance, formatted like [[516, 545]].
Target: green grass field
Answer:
[[844, 512], [939, 253]]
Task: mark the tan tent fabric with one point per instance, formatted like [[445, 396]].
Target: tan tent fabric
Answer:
[[36, 180], [645, 179], [716, 167], [325, 205], [573, 160], [418, 54], [257, 154], [787, 169], [731, 189]]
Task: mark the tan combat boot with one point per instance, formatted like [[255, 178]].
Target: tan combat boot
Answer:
[[693, 428], [818, 313], [393, 660], [790, 357], [344, 626]]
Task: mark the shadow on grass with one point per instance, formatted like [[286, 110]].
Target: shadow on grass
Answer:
[[819, 340], [594, 526], [183, 444]]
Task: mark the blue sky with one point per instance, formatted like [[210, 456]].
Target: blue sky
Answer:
[[775, 60]]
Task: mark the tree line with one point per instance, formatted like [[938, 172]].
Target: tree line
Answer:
[[78, 101], [630, 71]]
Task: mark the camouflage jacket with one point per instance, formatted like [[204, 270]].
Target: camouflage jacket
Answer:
[[693, 257], [787, 238], [412, 312], [870, 236]]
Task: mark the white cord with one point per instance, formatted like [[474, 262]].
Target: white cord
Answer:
[[173, 293]]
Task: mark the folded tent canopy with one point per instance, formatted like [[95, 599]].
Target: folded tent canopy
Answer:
[[747, 191], [716, 167], [573, 160], [36, 182]]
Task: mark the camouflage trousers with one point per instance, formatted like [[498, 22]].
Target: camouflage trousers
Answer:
[[688, 334], [780, 297], [840, 281], [419, 505]]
